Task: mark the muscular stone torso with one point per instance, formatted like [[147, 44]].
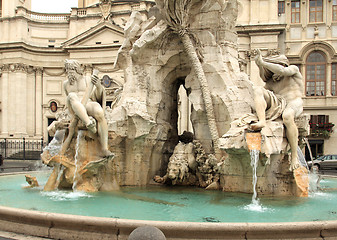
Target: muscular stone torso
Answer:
[[289, 87]]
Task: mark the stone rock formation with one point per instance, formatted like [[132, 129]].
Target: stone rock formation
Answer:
[[143, 125]]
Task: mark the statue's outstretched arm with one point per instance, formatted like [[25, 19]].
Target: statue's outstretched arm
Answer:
[[279, 69]]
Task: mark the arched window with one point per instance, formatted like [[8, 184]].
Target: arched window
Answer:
[[315, 74]]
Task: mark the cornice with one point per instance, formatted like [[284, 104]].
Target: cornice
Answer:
[[266, 28], [92, 31], [38, 49], [85, 48], [320, 107]]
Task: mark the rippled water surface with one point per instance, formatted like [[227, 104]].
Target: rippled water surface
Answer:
[[171, 203]]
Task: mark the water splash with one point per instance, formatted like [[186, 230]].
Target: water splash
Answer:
[[301, 158], [65, 195], [314, 180], [55, 144], [77, 167]]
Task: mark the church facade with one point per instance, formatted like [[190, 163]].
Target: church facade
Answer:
[[34, 46]]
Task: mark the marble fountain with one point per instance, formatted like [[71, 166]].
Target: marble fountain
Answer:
[[245, 137]]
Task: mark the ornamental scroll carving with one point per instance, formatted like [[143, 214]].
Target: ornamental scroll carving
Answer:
[[270, 52], [19, 67]]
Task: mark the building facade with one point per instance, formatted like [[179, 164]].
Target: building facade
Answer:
[[33, 47]]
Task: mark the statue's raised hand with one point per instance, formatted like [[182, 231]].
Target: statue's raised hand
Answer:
[[258, 58], [95, 80]]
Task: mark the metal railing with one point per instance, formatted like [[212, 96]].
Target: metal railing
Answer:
[[22, 148]]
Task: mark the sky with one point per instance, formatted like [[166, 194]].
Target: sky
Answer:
[[52, 6]]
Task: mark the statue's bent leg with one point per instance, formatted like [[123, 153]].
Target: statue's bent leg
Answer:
[[95, 110], [292, 136], [78, 108], [260, 108]]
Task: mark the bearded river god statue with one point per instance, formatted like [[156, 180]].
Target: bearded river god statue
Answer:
[[193, 47], [278, 117], [84, 150]]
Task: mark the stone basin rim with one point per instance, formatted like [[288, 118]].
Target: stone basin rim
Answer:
[[67, 226]]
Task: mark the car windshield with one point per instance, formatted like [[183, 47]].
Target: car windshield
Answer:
[[320, 158]]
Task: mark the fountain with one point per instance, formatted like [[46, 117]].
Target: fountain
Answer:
[[189, 43]]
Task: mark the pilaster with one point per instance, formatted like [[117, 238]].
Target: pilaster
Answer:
[[4, 99], [38, 101]]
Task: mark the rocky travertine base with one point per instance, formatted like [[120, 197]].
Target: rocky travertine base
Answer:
[[274, 176], [82, 167]]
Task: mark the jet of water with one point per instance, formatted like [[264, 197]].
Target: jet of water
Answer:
[[254, 159], [77, 167]]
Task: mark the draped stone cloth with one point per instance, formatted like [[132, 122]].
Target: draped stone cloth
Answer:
[[277, 106]]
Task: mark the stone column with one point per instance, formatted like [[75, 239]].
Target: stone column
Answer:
[[31, 104], [19, 92], [4, 100], [38, 101]]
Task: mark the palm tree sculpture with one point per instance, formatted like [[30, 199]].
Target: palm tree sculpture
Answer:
[[176, 15]]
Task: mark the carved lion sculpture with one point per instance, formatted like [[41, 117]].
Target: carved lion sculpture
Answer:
[[180, 163], [189, 165]]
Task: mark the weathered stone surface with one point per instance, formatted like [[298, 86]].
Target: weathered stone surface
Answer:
[[158, 57], [145, 120]]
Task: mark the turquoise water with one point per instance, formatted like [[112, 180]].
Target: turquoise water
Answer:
[[171, 203]]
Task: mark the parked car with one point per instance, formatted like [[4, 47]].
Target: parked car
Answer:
[[325, 162]]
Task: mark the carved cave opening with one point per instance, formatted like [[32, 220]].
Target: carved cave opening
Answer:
[[178, 110]]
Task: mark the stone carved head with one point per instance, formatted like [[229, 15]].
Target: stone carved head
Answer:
[[73, 69]]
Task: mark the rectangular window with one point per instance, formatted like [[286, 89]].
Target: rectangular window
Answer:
[[334, 10], [316, 11], [333, 79], [281, 7], [295, 11]]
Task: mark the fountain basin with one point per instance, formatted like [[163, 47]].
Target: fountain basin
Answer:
[[68, 226], [64, 226]]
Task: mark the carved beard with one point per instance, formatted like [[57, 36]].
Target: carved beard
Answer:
[[72, 79]]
